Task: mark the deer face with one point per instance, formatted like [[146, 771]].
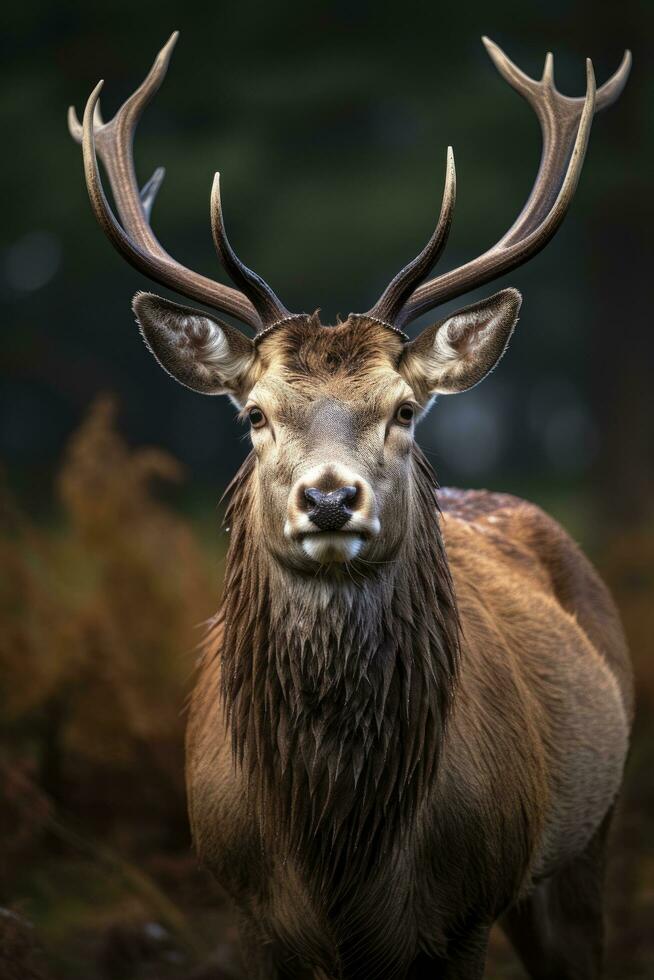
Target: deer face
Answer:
[[332, 427], [332, 413], [333, 409]]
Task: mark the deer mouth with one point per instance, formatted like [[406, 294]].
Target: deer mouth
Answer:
[[327, 547], [331, 544]]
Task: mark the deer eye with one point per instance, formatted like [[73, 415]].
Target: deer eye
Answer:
[[256, 417], [405, 414]]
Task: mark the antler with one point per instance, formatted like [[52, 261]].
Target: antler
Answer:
[[400, 288], [254, 304], [565, 125]]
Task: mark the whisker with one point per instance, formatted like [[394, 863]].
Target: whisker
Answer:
[[370, 561]]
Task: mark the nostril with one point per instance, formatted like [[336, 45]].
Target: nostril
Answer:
[[313, 496], [348, 493], [329, 511]]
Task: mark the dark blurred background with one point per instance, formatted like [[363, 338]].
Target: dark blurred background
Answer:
[[329, 123]]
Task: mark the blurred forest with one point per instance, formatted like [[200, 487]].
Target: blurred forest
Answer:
[[100, 612], [329, 123]]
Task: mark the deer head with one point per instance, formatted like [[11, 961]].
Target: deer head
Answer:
[[333, 408]]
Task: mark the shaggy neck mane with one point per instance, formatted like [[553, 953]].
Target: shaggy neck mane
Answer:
[[337, 688]]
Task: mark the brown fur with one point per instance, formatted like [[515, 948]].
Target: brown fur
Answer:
[[404, 724], [386, 756]]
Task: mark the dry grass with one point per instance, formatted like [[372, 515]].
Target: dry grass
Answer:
[[99, 617]]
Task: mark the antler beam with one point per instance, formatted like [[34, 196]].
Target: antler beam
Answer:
[[565, 125], [255, 304], [400, 288]]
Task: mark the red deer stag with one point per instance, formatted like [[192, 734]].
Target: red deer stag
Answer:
[[413, 708]]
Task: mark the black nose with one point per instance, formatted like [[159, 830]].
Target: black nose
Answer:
[[329, 511]]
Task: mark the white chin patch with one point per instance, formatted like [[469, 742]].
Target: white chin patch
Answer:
[[325, 547]]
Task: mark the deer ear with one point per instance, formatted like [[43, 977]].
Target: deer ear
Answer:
[[456, 353], [200, 352]]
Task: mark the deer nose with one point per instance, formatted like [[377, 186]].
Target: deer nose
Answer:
[[329, 511]]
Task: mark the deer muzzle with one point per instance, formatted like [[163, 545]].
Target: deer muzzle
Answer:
[[331, 513]]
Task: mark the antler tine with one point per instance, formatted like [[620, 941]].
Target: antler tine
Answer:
[[75, 127], [565, 124], [559, 117], [400, 288], [611, 90], [149, 190], [547, 78], [157, 266], [114, 142], [134, 239], [547, 195], [606, 95], [267, 304], [515, 76]]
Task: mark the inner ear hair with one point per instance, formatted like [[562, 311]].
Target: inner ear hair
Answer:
[[461, 349], [196, 349]]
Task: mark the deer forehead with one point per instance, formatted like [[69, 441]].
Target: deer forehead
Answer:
[[303, 369], [311, 403], [355, 347]]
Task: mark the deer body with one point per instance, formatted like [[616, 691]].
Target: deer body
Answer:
[[334, 854], [409, 720]]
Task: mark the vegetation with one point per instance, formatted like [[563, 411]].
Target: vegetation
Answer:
[[329, 122], [100, 614]]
